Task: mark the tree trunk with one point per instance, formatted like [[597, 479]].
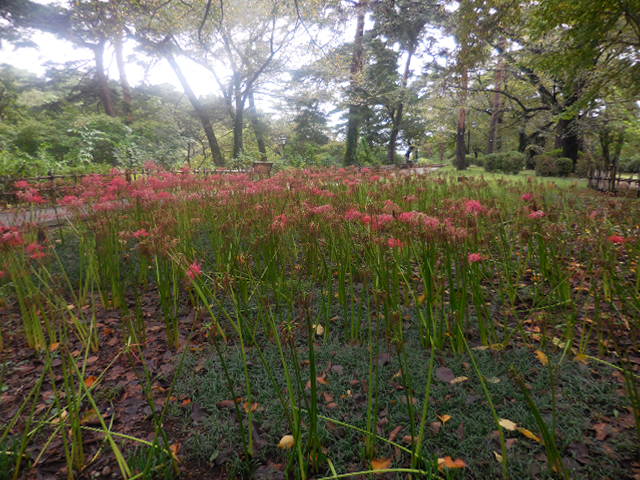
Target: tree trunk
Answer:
[[495, 140], [102, 81], [397, 118], [238, 120], [567, 139], [218, 158], [461, 152], [124, 83], [353, 122], [258, 128]]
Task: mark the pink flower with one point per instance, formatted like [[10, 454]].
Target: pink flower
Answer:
[[395, 243], [22, 184], [194, 270], [353, 214], [142, 233], [71, 201], [475, 257], [279, 223], [527, 197], [537, 214], [322, 209], [390, 207], [474, 207], [35, 251], [617, 239]]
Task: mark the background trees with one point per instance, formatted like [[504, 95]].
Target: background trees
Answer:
[[458, 79]]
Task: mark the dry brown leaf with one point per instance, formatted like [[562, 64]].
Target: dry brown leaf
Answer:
[[394, 433], [90, 381], [175, 449], [448, 462], [380, 463]]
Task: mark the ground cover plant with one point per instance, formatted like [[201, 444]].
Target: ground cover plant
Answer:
[[322, 323]]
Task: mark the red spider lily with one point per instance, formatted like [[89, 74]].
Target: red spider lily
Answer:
[[2, 274], [71, 201], [391, 207], [31, 195], [23, 184], [35, 251], [10, 236], [475, 257], [527, 197], [142, 233], [618, 239], [474, 207], [194, 270], [279, 223], [395, 243], [537, 214], [322, 209], [353, 214]]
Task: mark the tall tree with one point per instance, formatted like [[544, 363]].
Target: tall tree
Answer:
[[357, 63]]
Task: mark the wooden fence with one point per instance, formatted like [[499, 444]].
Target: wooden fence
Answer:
[[614, 182]]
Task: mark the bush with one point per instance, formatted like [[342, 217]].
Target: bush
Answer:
[[564, 166], [507, 162], [630, 165], [546, 165]]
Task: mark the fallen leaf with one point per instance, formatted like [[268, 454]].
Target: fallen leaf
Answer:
[[582, 358], [54, 346], [328, 398], [394, 433], [421, 299], [498, 456], [458, 380], [508, 424], [444, 418], [492, 379], [444, 374], [542, 357], [380, 463], [287, 442], [250, 407], [90, 381], [319, 329], [448, 462], [602, 430], [175, 449], [529, 434], [322, 380]]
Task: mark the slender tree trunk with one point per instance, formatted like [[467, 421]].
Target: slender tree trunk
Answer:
[[124, 83], [218, 158], [102, 81], [258, 128], [238, 120], [397, 118], [495, 139], [461, 152], [353, 122]]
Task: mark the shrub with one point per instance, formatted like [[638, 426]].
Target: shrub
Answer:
[[546, 165], [506, 162], [564, 166]]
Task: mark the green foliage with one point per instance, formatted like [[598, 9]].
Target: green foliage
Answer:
[[564, 166], [546, 165], [505, 162]]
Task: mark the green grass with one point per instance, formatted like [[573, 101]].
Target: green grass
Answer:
[[470, 434]]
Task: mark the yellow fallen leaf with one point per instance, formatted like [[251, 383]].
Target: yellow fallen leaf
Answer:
[[54, 346], [319, 329], [529, 434], [287, 442], [508, 424], [444, 418], [421, 299], [492, 379], [544, 360], [458, 380], [448, 462], [380, 463], [498, 456]]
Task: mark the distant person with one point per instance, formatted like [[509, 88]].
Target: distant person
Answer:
[[407, 155]]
